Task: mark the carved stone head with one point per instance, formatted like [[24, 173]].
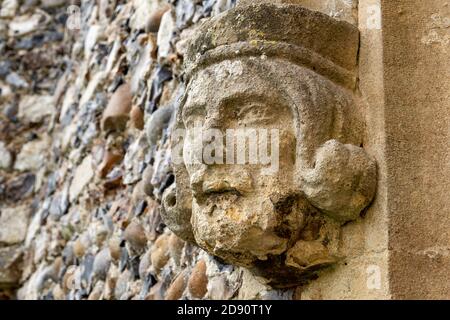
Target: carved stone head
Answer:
[[288, 74]]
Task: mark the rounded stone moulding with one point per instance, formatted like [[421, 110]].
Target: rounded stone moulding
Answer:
[[283, 69]]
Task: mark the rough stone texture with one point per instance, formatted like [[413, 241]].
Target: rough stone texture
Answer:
[[83, 174], [61, 74], [116, 114], [239, 213], [13, 225], [417, 103], [35, 108], [346, 10], [32, 155], [10, 266], [198, 281], [5, 157]]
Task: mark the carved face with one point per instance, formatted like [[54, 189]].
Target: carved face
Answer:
[[280, 221], [234, 205]]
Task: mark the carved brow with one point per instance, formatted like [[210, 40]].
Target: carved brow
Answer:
[[244, 103], [189, 110]]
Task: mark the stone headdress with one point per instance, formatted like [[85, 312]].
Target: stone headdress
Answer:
[[311, 39]]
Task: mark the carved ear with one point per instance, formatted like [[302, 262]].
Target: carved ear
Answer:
[[176, 213], [342, 182]]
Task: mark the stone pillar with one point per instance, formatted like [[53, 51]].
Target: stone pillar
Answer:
[[416, 73], [403, 242]]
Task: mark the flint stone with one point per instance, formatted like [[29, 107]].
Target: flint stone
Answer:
[[160, 252], [117, 113], [32, 155], [9, 8], [83, 174], [13, 224], [135, 235], [10, 259], [175, 290], [5, 156], [22, 25], [101, 264], [165, 34], [20, 187], [148, 14], [198, 280], [16, 80]]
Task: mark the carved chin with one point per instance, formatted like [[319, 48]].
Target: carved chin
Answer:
[[234, 234]]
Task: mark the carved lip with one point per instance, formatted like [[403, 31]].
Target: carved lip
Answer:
[[219, 187], [216, 188]]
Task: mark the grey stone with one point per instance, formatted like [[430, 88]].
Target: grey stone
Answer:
[[102, 262]]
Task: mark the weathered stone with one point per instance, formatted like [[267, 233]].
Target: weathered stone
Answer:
[[101, 264], [176, 246], [134, 234], [147, 180], [218, 289], [117, 113], [92, 36], [41, 245], [32, 155], [110, 158], [144, 265], [286, 65], [137, 117], [68, 281], [52, 3], [305, 254], [198, 281], [33, 109], [58, 293], [5, 156], [10, 269], [20, 187], [160, 253], [8, 8], [78, 248], [110, 283], [122, 284], [96, 293], [13, 224], [249, 215], [81, 177], [165, 34], [156, 292], [22, 25], [114, 248], [59, 204], [148, 14], [154, 20], [175, 290]]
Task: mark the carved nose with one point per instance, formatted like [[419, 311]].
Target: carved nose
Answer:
[[220, 179]]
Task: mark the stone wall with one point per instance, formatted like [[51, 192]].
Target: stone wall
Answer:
[[89, 94], [78, 92]]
